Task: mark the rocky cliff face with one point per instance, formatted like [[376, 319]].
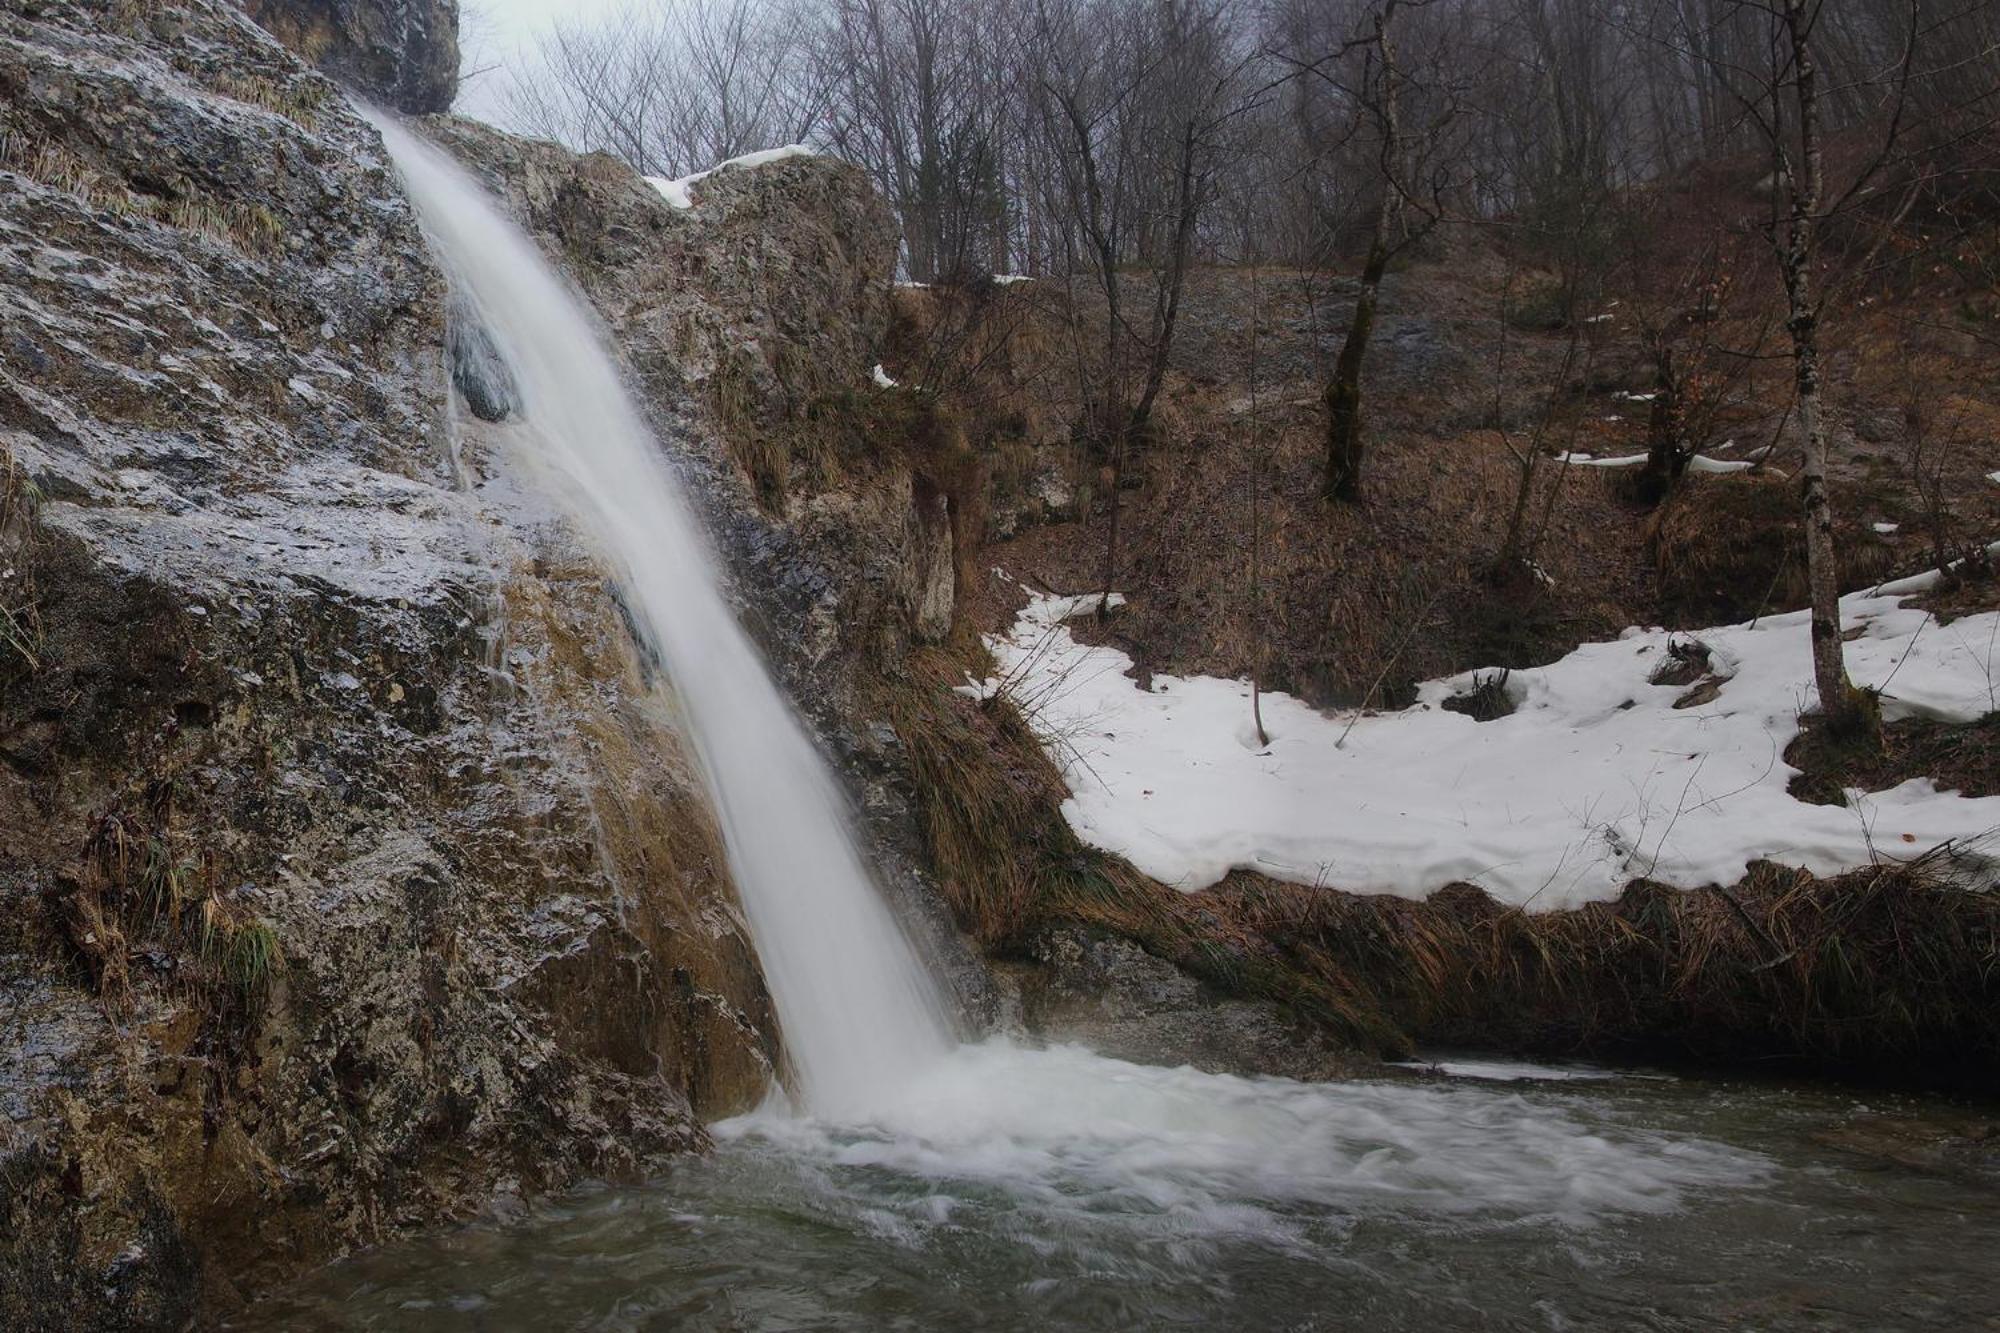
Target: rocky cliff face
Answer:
[[350, 874], [400, 53]]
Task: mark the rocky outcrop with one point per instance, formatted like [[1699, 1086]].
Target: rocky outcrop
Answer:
[[350, 870], [400, 53], [1109, 993]]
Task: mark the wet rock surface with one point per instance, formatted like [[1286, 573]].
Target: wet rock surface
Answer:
[[351, 873], [1111, 995], [400, 53]]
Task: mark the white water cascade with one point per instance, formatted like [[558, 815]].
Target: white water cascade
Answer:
[[859, 1011], [1077, 1142]]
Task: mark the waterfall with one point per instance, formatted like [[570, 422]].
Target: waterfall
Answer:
[[860, 1013], [888, 1112]]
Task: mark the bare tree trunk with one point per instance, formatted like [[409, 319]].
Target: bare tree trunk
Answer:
[[1255, 432], [1840, 703], [1187, 203], [1344, 445], [1665, 458]]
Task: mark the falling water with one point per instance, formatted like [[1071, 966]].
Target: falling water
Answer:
[[1099, 1158], [859, 1012]]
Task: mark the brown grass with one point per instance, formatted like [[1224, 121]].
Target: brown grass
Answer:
[[1729, 548], [250, 228], [1964, 758], [21, 637], [1894, 968]]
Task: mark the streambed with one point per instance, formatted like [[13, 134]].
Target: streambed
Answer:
[[1175, 1199]]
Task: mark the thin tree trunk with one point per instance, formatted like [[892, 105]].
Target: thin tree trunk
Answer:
[[1665, 460], [1838, 700], [1187, 205], [1256, 438], [1344, 447]]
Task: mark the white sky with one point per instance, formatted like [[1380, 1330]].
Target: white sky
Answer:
[[505, 33]]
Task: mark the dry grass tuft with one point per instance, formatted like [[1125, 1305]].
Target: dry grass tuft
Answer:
[[21, 637], [250, 228], [141, 888], [1890, 969], [1958, 757], [298, 99]]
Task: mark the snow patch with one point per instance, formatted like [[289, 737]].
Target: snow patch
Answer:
[[1589, 460], [1594, 780], [882, 379]]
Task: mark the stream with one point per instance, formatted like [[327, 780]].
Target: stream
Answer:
[[1626, 1200]]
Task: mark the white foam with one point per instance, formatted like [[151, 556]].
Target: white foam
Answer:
[[1068, 1131]]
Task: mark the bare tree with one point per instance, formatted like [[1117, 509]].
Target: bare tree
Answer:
[[1131, 104], [1368, 73], [673, 89], [921, 97], [1782, 99]]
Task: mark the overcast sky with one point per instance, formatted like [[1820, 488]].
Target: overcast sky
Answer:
[[504, 33]]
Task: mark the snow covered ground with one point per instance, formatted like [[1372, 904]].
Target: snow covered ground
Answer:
[[1594, 780]]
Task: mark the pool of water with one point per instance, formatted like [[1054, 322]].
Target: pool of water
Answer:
[[1057, 1190]]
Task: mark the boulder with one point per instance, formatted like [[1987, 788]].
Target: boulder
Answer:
[[401, 53]]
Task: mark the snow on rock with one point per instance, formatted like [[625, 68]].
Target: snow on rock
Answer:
[[676, 190], [1594, 780]]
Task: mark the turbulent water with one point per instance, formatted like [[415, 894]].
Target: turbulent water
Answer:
[[907, 1178], [1392, 1206]]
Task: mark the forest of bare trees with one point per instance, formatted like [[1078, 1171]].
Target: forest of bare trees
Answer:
[[1115, 144], [1028, 135]]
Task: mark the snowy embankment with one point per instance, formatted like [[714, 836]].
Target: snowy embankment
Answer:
[[1595, 779], [675, 190]]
